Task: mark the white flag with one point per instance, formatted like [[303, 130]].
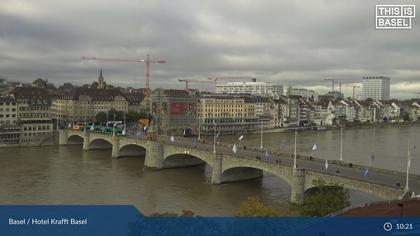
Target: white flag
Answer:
[[144, 128], [409, 162], [185, 131], [123, 132], [92, 128], [172, 138], [326, 165], [240, 138], [69, 126], [234, 149], [314, 147]]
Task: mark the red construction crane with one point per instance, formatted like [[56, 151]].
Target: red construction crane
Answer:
[[187, 81], [147, 61], [215, 79]]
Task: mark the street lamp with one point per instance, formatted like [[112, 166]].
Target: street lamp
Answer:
[[261, 143], [214, 136], [341, 144], [407, 188], [294, 155]]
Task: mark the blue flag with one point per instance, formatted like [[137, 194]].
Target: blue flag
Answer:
[[266, 154], [365, 174]]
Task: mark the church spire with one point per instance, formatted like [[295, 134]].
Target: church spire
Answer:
[[101, 81]]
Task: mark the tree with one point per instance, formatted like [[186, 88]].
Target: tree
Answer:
[[325, 200], [289, 91], [133, 116], [94, 85], [101, 117], [254, 207], [40, 83]]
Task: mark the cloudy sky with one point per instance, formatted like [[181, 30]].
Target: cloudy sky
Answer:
[[291, 42]]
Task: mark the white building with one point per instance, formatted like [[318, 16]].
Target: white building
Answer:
[[305, 93], [254, 88], [376, 87]]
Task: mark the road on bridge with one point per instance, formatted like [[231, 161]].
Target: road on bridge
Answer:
[[374, 176]]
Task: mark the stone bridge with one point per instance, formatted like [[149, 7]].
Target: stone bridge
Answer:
[[227, 167]]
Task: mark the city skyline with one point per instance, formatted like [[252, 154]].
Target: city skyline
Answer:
[[327, 40]]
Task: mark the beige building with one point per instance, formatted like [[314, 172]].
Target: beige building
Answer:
[[84, 104], [33, 113], [227, 113]]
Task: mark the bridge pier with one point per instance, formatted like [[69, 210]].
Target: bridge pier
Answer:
[[154, 155], [216, 172], [115, 147], [298, 186], [86, 141], [63, 137]]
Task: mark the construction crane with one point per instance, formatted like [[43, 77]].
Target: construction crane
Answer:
[[215, 79], [354, 90], [147, 61], [188, 81], [340, 82]]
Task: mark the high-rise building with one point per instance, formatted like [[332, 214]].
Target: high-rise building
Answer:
[[376, 87], [254, 88]]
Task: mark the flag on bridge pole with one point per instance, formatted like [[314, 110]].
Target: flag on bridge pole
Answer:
[[366, 172], [69, 125], [234, 149], [326, 165], [267, 155], [124, 132], [314, 147], [241, 137], [172, 138], [372, 156], [92, 128]]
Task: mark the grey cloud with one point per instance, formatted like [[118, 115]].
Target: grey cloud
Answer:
[[292, 42]]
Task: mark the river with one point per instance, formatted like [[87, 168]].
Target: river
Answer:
[[69, 175]]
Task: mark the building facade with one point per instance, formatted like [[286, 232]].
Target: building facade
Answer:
[[376, 87], [33, 112], [83, 104], [254, 88], [175, 111], [227, 113]]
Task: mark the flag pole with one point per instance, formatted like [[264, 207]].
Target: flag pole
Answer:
[[341, 144], [406, 189], [261, 144], [294, 155]]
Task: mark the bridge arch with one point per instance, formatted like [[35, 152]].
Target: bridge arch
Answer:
[[241, 167], [384, 192], [176, 156], [100, 143], [132, 149], [75, 139]]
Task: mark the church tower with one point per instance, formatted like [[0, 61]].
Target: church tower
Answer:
[[101, 81]]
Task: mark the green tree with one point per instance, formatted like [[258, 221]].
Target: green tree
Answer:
[[40, 83], [254, 207], [289, 91], [101, 117], [325, 200]]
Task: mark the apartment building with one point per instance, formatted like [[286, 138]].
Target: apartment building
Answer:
[[223, 112], [33, 113], [83, 104]]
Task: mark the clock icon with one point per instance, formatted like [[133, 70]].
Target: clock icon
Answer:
[[387, 226]]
